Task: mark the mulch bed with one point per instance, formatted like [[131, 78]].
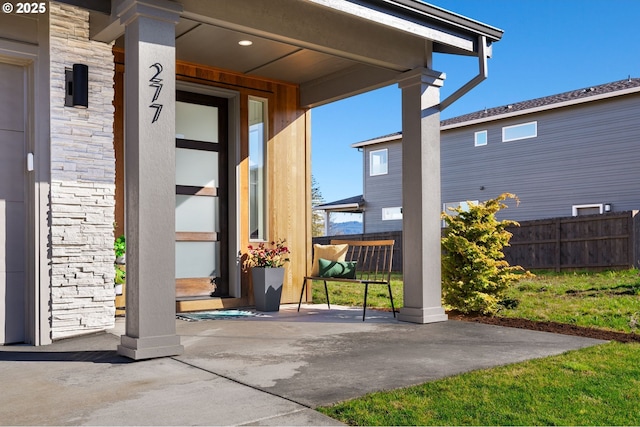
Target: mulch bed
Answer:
[[558, 328]]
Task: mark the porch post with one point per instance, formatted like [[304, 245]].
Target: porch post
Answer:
[[421, 196], [327, 216], [150, 178]]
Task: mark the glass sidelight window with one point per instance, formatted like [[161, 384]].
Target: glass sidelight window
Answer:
[[257, 169]]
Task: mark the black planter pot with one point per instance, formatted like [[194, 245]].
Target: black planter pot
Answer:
[[267, 287]]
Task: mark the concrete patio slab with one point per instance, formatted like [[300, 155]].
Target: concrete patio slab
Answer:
[[327, 356], [267, 370]]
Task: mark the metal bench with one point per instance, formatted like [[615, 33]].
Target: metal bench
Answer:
[[373, 267]]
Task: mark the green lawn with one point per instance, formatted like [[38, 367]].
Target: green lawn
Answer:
[[595, 386], [351, 294], [608, 300]]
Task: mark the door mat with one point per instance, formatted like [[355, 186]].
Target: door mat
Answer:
[[216, 315]]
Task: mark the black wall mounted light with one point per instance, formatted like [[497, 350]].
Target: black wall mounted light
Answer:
[[77, 86]]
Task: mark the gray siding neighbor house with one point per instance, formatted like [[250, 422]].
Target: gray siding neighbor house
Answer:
[[574, 153], [382, 171]]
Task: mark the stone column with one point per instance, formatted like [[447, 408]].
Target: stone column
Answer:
[[82, 183], [421, 204], [150, 178]]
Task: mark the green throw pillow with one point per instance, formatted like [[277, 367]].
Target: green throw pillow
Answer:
[[337, 269]]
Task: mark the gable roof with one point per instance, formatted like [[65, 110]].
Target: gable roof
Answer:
[[594, 93], [577, 96]]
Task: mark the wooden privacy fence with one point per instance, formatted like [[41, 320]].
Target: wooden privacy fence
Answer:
[[590, 242], [595, 242]]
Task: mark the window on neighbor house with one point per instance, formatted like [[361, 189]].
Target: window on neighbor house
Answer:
[[593, 209], [389, 214], [464, 205], [378, 162], [521, 131], [257, 169], [480, 138]]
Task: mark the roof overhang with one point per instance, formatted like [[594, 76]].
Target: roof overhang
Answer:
[[348, 208], [388, 138], [332, 49], [351, 205]]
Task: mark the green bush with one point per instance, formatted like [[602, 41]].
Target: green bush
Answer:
[[121, 275], [120, 246], [475, 274]]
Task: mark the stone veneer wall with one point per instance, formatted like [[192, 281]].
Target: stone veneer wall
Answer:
[[82, 181]]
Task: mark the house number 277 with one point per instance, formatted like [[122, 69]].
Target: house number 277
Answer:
[[156, 82]]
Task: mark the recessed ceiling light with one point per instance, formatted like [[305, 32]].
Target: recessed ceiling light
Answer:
[[245, 42]]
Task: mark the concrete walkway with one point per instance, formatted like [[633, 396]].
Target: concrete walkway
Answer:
[[267, 370]]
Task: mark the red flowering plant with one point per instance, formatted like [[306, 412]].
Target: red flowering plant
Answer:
[[263, 256]]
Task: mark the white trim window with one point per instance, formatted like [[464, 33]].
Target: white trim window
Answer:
[[591, 209], [391, 214], [521, 131], [464, 205], [446, 208], [379, 162], [480, 138], [257, 169]]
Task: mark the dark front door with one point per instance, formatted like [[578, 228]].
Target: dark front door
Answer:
[[201, 196]]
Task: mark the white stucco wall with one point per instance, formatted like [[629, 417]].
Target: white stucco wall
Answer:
[[82, 181]]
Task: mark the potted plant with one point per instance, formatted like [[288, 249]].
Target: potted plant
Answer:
[[267, 273], [120, 279], [120, 248]]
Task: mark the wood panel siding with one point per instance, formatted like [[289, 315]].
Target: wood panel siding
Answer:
[[288, 169], [382, 191], [583, 154], [289, 185]]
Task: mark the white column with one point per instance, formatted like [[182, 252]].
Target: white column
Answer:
[[326, 214], [421, 196], [150, 178]]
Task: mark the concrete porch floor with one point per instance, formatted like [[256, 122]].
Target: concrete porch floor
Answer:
[[267, 370]]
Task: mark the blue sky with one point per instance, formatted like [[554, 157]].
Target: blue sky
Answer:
[[548, 47]]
